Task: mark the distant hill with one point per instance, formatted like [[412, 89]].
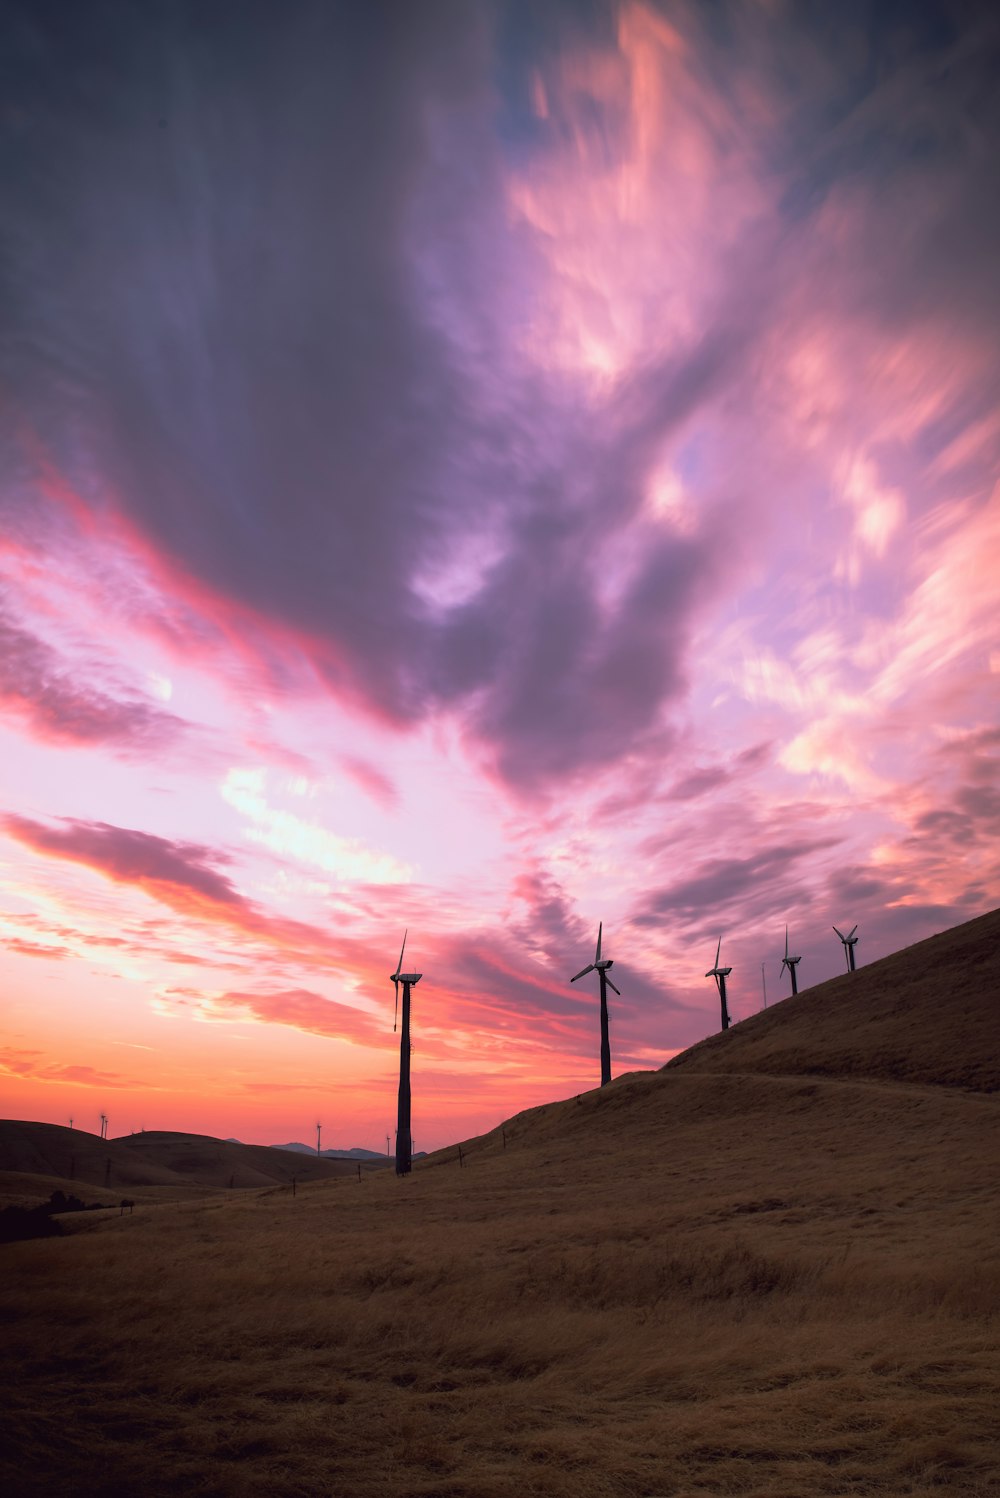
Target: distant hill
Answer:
[[929, 1013], [154, 1158], [352, 1154]]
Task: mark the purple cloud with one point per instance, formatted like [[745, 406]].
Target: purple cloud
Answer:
[[177, 871], [44, 690]]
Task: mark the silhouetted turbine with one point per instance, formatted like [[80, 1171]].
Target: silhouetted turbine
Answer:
[[404, 1142], [790, 962], [850, 942], [720, 974], [601, 968]]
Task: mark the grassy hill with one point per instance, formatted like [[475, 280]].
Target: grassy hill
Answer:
[[930, 1013], [72, 1157], [770, 1269]]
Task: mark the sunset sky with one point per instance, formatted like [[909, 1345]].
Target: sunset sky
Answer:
[[483, 468]]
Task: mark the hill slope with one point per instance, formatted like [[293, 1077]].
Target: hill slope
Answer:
[[930, 1013]]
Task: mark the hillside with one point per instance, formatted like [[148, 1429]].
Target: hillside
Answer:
[[719, 1278], [356, 1153], [930, 1014], [71, 1156]]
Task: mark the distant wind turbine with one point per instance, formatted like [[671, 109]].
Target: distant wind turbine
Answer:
[[104, 1126], [850, 942], [790, 962], [720, 974], [600, 966], [319, 1131], [404, 1141]]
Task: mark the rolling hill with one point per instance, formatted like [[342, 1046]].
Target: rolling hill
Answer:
[[770, 1269], [928, 1014], [52, 1152]]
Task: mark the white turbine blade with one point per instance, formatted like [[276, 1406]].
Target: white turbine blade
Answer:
[[583, 973], [399, 964], [786, 941], [717, 951], [852, 931], [600, 927], [839, 933], [611, 985]]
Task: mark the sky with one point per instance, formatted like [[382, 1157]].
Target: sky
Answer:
[[481, 470]]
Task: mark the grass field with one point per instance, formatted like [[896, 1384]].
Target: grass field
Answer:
[[696, 1281]]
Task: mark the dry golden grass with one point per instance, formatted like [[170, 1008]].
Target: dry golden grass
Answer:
[[688, 1283]]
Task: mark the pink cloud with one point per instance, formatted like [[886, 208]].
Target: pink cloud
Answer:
[[59, 708], [300, 1008]]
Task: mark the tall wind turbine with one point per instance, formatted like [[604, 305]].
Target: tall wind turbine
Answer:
[[600, 966], [404, 1143], [104, 1126], [790, 962], [720, 974], [850, 942], [319, 1130]]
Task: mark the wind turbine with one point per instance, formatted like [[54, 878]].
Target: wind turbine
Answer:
[[404, 1143], [600, 966], [319, 1130], [720, 974], [104, 1126], [790, 962], [850, 942]]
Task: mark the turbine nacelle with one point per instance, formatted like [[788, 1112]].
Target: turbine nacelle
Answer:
[[718, 972], [599, 965]]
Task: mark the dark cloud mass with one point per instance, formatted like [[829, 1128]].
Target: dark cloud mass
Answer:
[[257, 292], [213, 301]]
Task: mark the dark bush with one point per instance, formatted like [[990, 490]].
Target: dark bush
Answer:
[[19, 1223]]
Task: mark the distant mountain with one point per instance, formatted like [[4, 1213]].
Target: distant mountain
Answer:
[[352, 1154]]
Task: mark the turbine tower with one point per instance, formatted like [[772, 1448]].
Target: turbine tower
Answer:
[[850, 942], [790, 962], [600, 966], [319, 1130], [720, 974], [404, 1143]]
